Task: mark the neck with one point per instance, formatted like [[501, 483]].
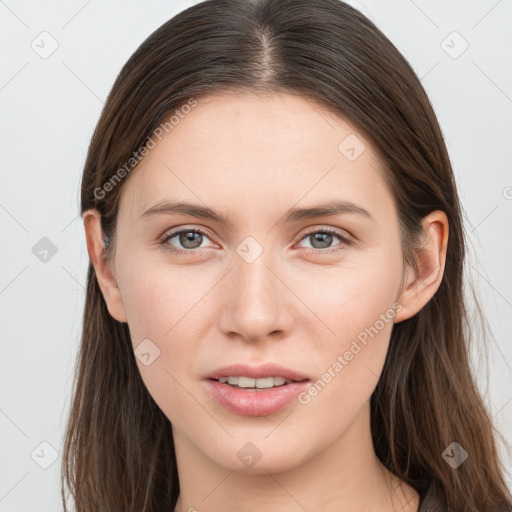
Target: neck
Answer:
[[345, 476]]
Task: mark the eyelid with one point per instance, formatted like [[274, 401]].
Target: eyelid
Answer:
[[194, 227], [342, 233], [307, 231]]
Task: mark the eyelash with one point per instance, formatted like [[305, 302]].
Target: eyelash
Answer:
[[169, 236]]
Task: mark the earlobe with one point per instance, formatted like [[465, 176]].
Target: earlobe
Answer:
[[421, 286], [103, 266]]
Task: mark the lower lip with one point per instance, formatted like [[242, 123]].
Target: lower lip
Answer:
[[255, 403]]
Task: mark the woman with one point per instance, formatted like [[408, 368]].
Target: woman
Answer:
[[274, 316]]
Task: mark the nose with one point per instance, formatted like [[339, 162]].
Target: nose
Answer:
[[258, 303]]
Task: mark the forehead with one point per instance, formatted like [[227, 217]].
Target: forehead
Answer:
[[256, 149], [247, 123]]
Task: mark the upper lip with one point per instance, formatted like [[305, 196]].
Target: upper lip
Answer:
[[255, 372]]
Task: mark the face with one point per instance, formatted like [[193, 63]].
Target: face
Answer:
[[314, 294]]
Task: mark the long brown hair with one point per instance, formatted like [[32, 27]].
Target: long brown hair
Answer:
[[119, 450]]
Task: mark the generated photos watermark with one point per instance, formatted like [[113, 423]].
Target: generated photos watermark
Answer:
[[343, 360], [149, 144]]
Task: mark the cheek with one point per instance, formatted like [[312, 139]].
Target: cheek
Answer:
[[358, 305], [158, 297], [349, 298], [163, 306]]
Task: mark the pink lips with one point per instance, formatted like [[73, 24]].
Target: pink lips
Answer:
[[264, 370], [255, 403]]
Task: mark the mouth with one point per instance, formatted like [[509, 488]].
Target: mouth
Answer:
[[255, 391], [255, 384]]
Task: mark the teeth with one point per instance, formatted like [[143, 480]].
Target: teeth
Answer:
[[261, 383]]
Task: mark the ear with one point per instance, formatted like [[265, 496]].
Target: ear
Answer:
[[102, 265], [421, 286]]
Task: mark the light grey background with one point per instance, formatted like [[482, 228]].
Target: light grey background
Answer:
[[49, 108]]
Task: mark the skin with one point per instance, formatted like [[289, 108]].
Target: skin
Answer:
[[251, 158]]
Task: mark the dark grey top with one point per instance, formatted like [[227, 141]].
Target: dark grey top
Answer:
[[430, 502]]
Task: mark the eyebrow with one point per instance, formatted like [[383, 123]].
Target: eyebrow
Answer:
[[333, 207]]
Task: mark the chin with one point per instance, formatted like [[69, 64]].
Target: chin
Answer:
[[259, 457]]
